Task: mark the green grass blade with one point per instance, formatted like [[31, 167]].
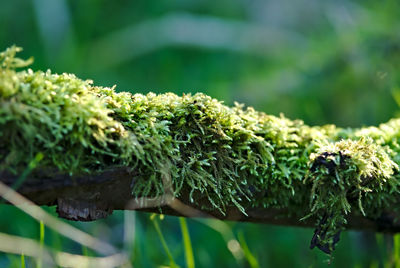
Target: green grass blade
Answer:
[[25, 173], [85, 251], [247, 253], [23, 261], [41, 243], [396, 250], [187, 243], [31, 166], [163, 242]]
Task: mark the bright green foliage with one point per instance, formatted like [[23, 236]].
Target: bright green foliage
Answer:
[[214, 155]]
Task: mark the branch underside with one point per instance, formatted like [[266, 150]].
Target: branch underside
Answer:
[[92, 197]]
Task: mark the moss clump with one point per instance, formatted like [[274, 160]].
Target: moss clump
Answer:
[[58, 115], [349, 175], [214, 155]]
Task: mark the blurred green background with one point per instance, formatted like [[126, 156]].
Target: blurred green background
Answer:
[[333, 61]]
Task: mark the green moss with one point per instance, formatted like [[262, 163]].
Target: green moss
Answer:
[[214, 155], [350, 176]]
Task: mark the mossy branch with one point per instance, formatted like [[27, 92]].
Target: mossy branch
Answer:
[[221, 160]]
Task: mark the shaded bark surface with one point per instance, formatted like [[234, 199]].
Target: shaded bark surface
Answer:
[[94, 196]]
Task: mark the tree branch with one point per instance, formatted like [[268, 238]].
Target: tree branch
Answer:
[[91, 197], [90, 150]]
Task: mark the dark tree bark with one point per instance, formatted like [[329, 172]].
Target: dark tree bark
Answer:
[[91, 197]]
